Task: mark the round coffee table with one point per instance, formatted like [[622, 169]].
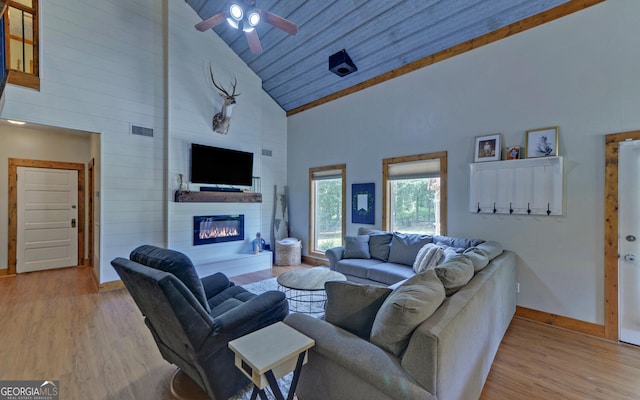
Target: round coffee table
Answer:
[[304, 288]]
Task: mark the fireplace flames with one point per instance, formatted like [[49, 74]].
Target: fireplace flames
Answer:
[[208, 230], [217, 228], [218, 232]]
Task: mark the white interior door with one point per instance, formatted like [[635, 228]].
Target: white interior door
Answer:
[[47, 235], [629, 242]]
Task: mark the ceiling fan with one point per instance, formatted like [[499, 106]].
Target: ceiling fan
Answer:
[[243, 14]]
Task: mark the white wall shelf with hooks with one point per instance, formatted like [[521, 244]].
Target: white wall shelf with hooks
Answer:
[[532, 186]]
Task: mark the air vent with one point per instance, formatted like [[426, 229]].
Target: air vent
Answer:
[[141, 131], [267, 153]]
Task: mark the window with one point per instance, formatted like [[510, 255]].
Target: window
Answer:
[[327, 192], [414, 198], [21, 38]]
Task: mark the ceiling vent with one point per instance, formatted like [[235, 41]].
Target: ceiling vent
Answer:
[[141, 131], [266, 152], [341, 64]]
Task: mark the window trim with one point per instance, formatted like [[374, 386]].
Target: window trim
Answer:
[[16, 77], [312, 206], [386, 201]]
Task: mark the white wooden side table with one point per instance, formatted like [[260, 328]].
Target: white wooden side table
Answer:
[[270, 353]]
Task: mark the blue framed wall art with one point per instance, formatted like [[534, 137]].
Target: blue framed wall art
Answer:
[[363, 203]]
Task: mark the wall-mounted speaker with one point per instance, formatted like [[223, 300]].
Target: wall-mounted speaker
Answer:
[[341, 64]]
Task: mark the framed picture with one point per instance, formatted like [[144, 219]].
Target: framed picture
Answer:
[[512, 153], [487, 148], [542, 142], [363, 203]]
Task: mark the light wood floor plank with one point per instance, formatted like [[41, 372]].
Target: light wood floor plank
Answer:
[[538, 361], [54, 325]]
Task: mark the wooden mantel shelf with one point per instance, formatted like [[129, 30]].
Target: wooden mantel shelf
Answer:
[[218, 197]]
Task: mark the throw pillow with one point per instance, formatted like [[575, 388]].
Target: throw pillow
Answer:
[[353, 306], [456, 272], [428, 257], [490, 249], [483, 253], [449, 252], [404, 309], [356, 247], [479, 259], [405, 247], [379, 245]]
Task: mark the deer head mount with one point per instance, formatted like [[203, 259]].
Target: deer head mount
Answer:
[[222, 120]]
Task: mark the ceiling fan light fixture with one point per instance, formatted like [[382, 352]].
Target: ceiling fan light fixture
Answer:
[[236, 11], [253, 17]]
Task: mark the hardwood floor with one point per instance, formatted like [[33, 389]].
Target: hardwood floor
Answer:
[[55, 326], [538, 361]]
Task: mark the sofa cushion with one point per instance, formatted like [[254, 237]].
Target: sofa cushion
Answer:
[[479, 259], [379, 245], [490, 249], [428, 257], [405, 247], [356, 247], [355, 266], [352, 306], [404, 309], [389, 273], [456, 272], [459, 243], [482, 253]]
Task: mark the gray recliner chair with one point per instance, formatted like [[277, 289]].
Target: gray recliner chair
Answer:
[[193, 319]]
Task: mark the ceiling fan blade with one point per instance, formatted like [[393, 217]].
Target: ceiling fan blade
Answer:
[[279, 22], [211, 22], [254, 41]]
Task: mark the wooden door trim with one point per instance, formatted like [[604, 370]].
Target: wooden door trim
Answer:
[[14, 163], [612, 147], [90, 212]]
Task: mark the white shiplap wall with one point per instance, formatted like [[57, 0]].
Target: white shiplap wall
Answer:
[[102, 68], [257, 122], [108, 64]]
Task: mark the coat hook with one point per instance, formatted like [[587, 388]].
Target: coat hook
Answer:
[[494, 208], [478, 208], [528, 209], [548, 209], [510, 209]]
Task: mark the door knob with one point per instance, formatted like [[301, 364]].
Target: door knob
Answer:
[[73, 223], [630, 238], [631, 258]]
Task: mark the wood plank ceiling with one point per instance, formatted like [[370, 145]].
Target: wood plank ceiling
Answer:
[[379, 35]]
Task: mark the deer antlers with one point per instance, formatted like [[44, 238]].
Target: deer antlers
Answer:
[[222, 89]]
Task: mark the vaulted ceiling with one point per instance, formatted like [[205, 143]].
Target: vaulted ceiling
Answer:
[[381, 36]]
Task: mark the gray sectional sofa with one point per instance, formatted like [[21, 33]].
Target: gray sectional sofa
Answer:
[[447, 356], [380, 257]]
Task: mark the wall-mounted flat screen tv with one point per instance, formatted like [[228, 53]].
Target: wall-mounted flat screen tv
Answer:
[[218, 166]]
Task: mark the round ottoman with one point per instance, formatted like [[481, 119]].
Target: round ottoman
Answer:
[[288, 251]]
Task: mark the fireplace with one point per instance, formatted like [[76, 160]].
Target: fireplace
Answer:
[[217, 228]]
